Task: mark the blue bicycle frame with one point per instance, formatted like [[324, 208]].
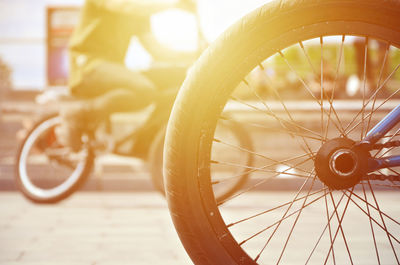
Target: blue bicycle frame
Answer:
[[376, 133]]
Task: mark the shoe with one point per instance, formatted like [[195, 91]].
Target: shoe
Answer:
[[75, 122]]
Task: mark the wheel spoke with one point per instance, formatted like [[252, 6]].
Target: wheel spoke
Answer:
[[364, 83], [257, 154], [370, 223], [263, 181], [331, 108], [371, 113], [330, 230], [280, 120], [279, 223], [300, 79], [375, 208], [277, 207], [295, 221], [253, 170], [321, 40], [285, 108], [339, 226], [259, 169], [323, 231], [308, 58], [388, 186], [379, 81], [268, 109], [394, 171], [273, 129], [282, 219], [383, 221], [373, 219], [391, 135], [347, 130], [309, 90], [390, 149]]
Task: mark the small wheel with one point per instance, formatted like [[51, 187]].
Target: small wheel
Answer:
[[288, 69], [224, 185], [46, 171]]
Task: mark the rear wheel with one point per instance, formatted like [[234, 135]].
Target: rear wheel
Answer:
[[228, 134], [296, 71], [46, 171]]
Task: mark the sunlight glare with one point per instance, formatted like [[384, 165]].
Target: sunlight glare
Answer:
[[176, 29]]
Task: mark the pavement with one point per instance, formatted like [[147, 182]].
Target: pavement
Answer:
[[89, 229], [106, 228]]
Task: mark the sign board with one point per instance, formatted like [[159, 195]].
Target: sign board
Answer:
[[61, 21]]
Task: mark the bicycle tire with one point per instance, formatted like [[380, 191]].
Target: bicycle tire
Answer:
[[211, 82], [51, 195]]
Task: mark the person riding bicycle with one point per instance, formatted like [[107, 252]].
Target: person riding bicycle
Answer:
[[99, 78]]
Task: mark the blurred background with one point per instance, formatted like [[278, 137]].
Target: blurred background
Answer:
[[34, 59], [116, 227], [25, 28], [101, 227]]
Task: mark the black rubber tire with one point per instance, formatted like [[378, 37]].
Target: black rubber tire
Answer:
[[211, 81], [87, 168], [155, 161]]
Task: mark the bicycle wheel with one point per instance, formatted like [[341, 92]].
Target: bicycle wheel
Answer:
[[224, 185], [306, 54], [46, 171]]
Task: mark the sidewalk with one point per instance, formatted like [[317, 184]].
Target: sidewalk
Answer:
[[94, 228], [89, 229]]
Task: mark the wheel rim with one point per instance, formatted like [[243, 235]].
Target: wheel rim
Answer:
[[26, 179], [224, 225]]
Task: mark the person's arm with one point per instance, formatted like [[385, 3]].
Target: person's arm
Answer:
[[162, 53]]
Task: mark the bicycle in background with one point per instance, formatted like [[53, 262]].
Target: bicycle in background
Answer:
[[47, 171]]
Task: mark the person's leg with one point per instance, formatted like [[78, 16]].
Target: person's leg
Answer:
[[105, 88], [99, 77], [165, 76], [156, 121], [118, 100], [114, 88], [168, 80]]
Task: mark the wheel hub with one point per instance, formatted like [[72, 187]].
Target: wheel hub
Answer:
[[340, 165]]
